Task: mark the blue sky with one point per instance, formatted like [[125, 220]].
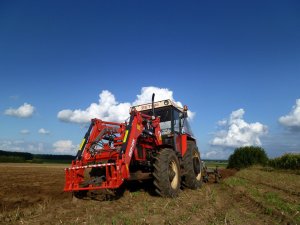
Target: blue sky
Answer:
[[216, 57]]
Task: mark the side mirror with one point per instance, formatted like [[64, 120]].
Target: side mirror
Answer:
[[185, 109]]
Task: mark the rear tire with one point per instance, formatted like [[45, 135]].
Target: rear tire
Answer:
[[192, 167], [167, 173]]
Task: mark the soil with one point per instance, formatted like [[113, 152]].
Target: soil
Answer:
[[33, 194]]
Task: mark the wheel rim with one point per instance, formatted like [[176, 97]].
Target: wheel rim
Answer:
[[173, 174], [197, 165]]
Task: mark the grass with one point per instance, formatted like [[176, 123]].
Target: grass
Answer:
[[235, 181], [212, 164], [287, 181], [273, 199], [266, 188]]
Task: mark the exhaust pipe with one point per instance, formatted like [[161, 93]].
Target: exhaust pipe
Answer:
[[153, 113]]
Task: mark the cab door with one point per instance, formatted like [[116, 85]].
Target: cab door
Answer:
[[176, 127]]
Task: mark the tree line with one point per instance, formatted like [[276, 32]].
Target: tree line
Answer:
[[6, 156]]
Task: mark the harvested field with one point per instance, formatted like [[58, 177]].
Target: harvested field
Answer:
[[32, 194]]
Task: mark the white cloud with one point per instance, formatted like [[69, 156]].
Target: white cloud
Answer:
[[25, 110], [108, 109], [146, 95], [22, 146], [44, 131], [11, 145], [292, 119], [14, 97], [24, 131], [64, 147], [236, 132], [222, 122], [216, 154], [210, 154], [35, 147]]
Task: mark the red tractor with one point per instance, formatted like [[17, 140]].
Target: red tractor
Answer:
[[156, 143]]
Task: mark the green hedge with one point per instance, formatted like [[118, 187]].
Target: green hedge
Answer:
[[287, 161], [247, 156]]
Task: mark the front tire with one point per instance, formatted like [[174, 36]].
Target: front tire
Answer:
[[192, 167], [167, 173]]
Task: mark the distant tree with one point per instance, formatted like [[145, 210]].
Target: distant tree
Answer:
[[53, 157], [24, 155], [13, 159], [7, 156], [247, 156]]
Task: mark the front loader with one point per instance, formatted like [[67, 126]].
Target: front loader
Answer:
[[156, 143]]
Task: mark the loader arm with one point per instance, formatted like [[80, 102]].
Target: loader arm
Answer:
[[108, 148], [137, 126]]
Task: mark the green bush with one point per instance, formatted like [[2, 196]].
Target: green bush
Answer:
[[287, 161], [247, 156]]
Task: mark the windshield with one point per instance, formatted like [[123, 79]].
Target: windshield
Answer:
[[165, 119]]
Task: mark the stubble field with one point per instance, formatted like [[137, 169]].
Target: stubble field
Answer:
[[32, 194]]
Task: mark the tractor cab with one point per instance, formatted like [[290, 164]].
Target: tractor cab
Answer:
[[173, 120]]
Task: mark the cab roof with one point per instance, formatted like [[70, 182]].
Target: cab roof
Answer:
[[158, 104]]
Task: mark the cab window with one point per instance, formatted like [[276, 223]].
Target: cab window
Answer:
[[176, 121], [165, 119]]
